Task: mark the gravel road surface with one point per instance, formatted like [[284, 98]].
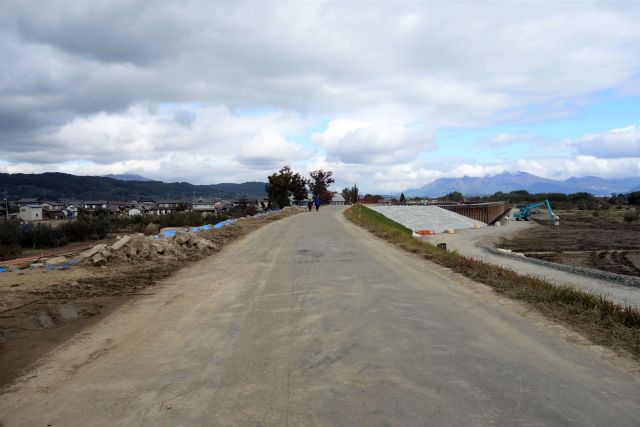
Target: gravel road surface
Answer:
[[473, 243], [311, 321]]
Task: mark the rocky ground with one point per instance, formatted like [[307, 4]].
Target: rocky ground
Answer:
[[42, 306]]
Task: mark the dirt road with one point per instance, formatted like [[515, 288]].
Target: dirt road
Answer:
[[311, 321]]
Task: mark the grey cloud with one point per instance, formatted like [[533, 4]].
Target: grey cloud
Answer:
[[615, 143], [116, 31], [445, 64], [185, 118]]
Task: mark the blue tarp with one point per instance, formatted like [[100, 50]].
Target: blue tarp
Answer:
[[223, 223], [171, 233], [62, 266]]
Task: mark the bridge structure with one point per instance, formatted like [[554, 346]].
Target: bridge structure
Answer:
[[488, 212]]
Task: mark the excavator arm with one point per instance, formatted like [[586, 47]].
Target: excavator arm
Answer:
[[525, 211]]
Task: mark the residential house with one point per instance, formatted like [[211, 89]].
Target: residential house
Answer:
[[204, 207], [221, 207], [146, 205], [113, 209], [337, 200], [94, 205], [171, 206], [135, 211], [25, 202], [52, 205], [49, 214], [30, 213], [70, 211]]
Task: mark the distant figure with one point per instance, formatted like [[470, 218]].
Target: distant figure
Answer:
[[317, 202], [310, 205]]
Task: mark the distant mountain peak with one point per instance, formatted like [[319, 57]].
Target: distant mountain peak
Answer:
[[127, 177], [512, 181]]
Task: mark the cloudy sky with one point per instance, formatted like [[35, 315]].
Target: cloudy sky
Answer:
[[389, 95]]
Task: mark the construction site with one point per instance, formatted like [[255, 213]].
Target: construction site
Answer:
[[600, 253]]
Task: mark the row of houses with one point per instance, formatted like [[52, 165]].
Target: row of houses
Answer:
[[30, 210]]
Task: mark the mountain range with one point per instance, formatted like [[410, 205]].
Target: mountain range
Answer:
[[127, 177], [507, 181], [62, 186]]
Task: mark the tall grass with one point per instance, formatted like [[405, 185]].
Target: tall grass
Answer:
[[602, 320]]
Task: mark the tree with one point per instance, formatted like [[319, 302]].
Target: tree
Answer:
[[242, 204], [455, 196], [282, 185], [346, 194], [372, 198], [319, 184], [354, 194], [631, 216], [350, 195], [278, 186], [403, 200], [634, 198], [298, 188]]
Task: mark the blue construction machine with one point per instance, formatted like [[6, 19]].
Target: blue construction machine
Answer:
[[524, 212]]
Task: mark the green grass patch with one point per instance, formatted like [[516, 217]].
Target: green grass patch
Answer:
[[603, 321]]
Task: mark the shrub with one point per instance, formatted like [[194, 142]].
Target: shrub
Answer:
[[630, 217]]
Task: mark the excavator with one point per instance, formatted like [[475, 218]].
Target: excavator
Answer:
[[524, 212]]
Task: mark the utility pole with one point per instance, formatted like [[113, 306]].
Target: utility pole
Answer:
[[6, 203]]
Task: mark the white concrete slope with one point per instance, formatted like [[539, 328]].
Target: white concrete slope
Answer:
[[430, 218], [312, 321]]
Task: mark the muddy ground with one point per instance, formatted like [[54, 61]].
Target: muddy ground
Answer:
[[39, 309], [604, 242]]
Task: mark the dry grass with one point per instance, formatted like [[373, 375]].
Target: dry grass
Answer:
[[604, 322]]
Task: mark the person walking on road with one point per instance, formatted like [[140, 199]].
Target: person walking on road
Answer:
[[310, 205], [317, 203]]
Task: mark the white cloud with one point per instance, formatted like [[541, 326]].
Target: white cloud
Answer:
[[615, 143], [364, 142], [215, 144], [269, 149]]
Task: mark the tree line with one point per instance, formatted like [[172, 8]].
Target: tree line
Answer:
[[286, 185]]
